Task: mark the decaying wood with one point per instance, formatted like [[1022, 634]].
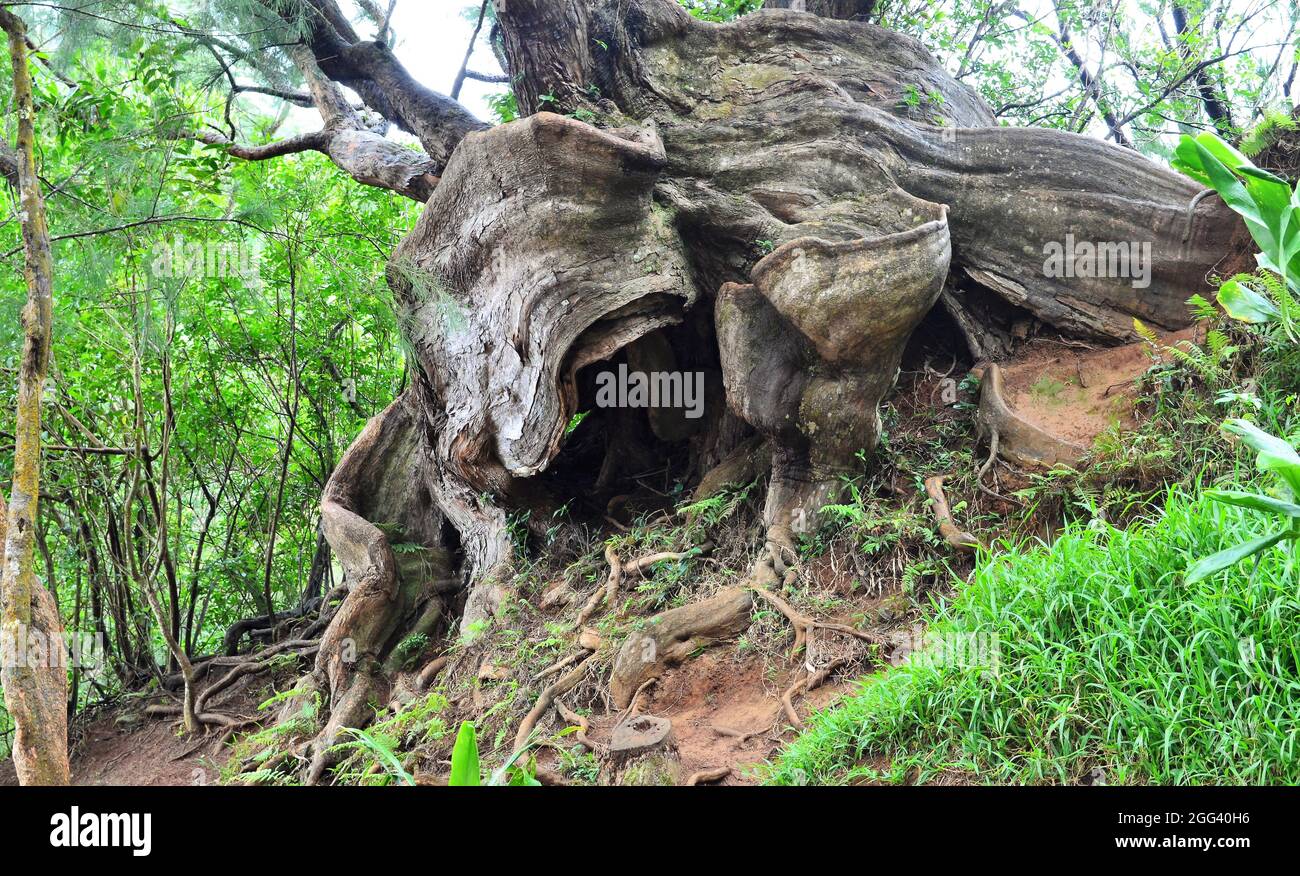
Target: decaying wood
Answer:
[[642, 751]]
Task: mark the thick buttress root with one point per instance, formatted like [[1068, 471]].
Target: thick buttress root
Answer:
[[380, 480]]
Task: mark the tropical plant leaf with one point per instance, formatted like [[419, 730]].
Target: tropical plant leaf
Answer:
[[1245, 304], [1255, 501], [1207, 566], [1273, 454], [464, 758]]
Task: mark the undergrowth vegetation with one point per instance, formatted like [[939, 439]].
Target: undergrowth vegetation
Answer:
[[1106, 660]]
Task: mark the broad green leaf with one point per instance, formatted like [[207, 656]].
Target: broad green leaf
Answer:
[[464, 758], [1224, 152], [1245, 304], [1265, 201], [1223, 559], [1274, 454], [1257, 501]]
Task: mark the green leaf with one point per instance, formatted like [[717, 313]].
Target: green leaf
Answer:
[[1245, 304], [1273, 454], [1255, 501], [464, 758], [1223, 559]]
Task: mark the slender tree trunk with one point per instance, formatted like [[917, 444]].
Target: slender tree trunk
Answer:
[[35, 691]]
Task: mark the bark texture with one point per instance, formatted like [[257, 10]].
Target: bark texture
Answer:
[[32, 665], [767, 198]]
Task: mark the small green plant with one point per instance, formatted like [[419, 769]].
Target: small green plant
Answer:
[[1273, 455], [1047, 388], [383, 749], [411, 647], [464, 758], [575, 421], [504, 106], [721, 10], [1210, 362], [1274, 126]]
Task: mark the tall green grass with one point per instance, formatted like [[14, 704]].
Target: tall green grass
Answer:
[[1107, 659]]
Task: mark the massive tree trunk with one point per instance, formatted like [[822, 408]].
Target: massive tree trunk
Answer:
[[766, 201]]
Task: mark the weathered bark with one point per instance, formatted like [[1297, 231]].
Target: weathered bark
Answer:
[[372, 70], [380, 482], [772, 170], [32, 667], [503, 305], [779, 127], [363, 153]]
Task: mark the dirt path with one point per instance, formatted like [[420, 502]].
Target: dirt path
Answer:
[[124, 748]]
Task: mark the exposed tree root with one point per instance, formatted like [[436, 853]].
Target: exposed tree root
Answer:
[[955, 537], [804, 625], [634, 704], [617, 571], [584, 727], [1013, 437], [741, 736], [547, 698], [561, 664], [810, 682], [700, 777], [216, 719], [605, 594], [262, 662], [430, 671], [787, 699]]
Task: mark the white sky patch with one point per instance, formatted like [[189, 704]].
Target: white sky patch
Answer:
[[432, 36]]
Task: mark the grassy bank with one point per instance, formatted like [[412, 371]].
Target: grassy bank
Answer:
[[1106, 659]]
